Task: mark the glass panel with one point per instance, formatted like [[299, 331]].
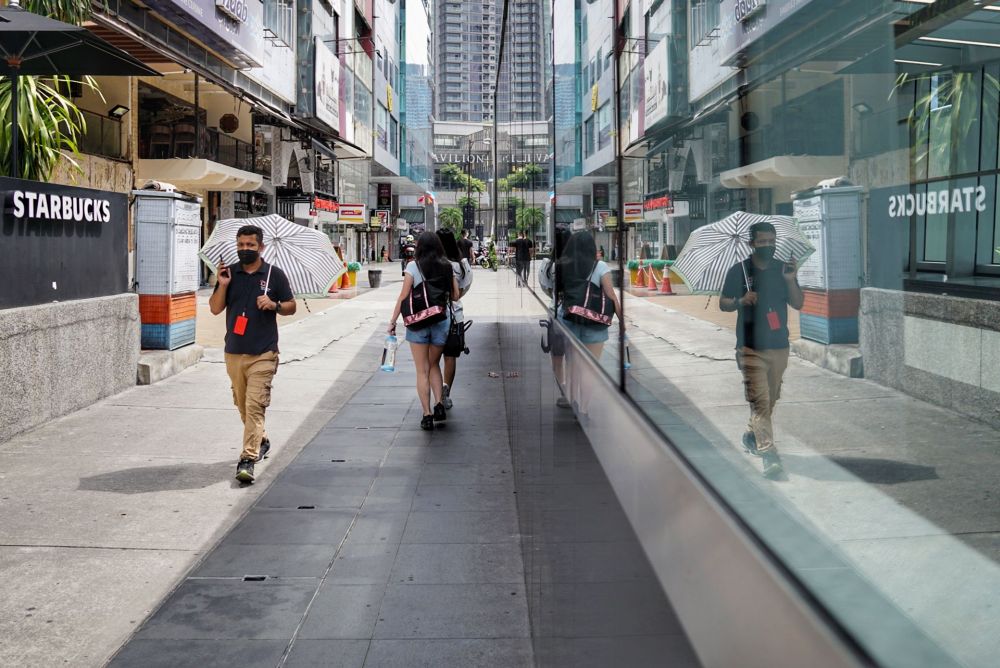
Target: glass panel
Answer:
[[868, 141]]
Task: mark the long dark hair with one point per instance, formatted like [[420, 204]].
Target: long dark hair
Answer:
[[450, 245], [577, 261], [430, 258]]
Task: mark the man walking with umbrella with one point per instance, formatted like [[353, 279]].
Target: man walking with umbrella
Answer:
[[762, 289], [253, 293]]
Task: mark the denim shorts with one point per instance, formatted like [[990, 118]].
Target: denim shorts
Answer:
[[586, 333], [435, 335]]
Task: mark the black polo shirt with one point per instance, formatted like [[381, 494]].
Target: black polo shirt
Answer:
[[753, 328], [261, 333]]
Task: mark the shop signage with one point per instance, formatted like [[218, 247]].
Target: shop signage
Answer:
[[749, 20], [388, 97], [50, 237], [940, 201], [36, 206], [325, 210], [611, 223], [485, 158], [233, 28], [594, 98], [382, 218], [747, 9], [324, 204], [384, 198], [656, 203], [601, 218], [633, 212], [602, 199], [234, 9], [655, 90], [327, 89], [353, 214]]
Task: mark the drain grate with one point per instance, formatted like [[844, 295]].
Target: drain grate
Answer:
[[254, 578]]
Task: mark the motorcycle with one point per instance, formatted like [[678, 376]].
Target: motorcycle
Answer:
[[483, 260]]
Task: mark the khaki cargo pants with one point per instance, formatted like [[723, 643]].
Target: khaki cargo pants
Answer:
[[251, 381], [762, 373]]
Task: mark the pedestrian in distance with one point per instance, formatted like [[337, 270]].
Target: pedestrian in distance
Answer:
[[463, 274], [523, 252], [761, 290], [407, 252], [427, 340], [252, 293], [465, 247]]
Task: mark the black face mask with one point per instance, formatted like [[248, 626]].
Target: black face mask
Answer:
[[764, 253], [247, 257]]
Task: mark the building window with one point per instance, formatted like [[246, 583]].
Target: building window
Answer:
[[604, 126], [279, 21], [381, 121], [588, 131], [394, 137]]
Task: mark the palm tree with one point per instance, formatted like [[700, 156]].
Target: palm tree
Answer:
[[50, 123], [451, 219], [529, 219]]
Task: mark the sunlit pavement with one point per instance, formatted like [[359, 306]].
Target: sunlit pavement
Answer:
[[105, 510]]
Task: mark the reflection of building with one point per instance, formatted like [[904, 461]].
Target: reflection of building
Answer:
[[470, 147], [748, 110]]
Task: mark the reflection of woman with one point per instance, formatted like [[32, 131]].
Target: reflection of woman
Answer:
[[463, 274], [578, 265], [426, 344]]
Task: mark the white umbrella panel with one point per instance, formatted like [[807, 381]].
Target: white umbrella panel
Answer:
[[304, 254], [711, 251]]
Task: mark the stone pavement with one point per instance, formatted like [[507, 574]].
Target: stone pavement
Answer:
[[103, 510], [106, 512]]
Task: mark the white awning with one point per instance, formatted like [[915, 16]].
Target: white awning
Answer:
[[788, 172], [198, 174]]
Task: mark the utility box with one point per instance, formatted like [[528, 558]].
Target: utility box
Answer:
[[831, 277], [167, 240]]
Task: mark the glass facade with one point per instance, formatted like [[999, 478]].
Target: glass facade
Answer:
[[839, 397]]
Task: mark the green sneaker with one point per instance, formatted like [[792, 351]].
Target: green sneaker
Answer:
[[772, 465], [244, 471]]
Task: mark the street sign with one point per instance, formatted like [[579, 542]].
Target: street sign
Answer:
[[468, 216], [511, 215]]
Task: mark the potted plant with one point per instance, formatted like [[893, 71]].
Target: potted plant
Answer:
[[633, 272], [352, 273]]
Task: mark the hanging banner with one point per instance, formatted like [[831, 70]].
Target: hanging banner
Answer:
[[327, 88]]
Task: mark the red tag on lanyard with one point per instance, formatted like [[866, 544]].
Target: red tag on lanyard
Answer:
[[772, 320], [240, 326]]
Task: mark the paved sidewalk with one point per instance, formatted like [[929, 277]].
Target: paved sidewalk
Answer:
[[380, 544], [103, 510]]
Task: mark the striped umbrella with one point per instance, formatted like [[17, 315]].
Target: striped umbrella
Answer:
[[712, 250], [304, 254]]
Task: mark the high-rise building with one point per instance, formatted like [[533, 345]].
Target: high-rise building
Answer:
[[466, 49]]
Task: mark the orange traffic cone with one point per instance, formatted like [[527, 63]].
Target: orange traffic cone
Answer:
[[665, 288], [651, 280], [640, 278], [333, 286], [345, 282]]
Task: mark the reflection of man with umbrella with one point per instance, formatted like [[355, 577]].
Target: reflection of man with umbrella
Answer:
[[761, 289], [253, 293]]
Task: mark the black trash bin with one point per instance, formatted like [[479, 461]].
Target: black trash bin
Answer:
[[374, 278]]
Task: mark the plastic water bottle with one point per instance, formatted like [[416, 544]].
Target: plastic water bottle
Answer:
[[389, 353]]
